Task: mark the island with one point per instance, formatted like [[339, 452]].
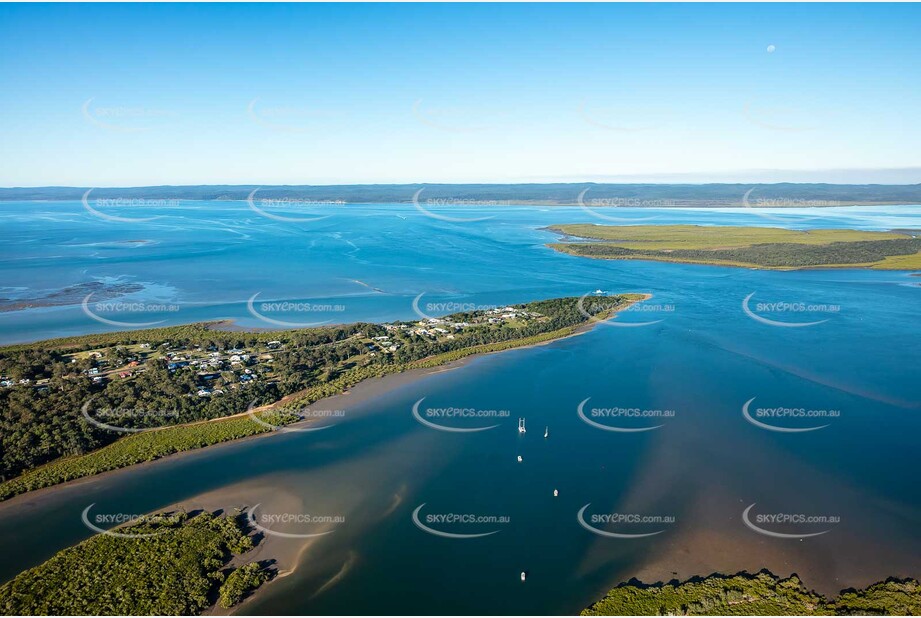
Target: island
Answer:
[[80, 406], [750, 247], [175, 564], [761, 594]]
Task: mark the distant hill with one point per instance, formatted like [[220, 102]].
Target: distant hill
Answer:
[[649, 195]]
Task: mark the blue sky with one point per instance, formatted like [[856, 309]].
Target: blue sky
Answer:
[[115, 95]]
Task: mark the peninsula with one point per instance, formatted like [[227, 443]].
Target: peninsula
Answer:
[[84, 405]]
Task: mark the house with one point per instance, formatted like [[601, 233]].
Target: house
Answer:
[[204, 392]]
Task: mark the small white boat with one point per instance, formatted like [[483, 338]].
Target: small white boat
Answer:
[[524, 576], [521, 428], [547, 432], [519, 459], [556, 492]]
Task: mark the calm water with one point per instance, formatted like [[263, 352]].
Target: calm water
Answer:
[[703, 358]]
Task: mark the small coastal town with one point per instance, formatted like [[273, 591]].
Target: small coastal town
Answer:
[[217, 369]]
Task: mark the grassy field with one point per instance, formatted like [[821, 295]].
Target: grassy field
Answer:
[[762, 594], [751, 247]]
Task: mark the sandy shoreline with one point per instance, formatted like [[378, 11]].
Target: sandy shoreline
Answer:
[[361, 392], [284, 554]]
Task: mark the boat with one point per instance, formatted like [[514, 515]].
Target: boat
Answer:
[[524, 576], [556, 492], [521, 428], [519, 459], [547, 432]]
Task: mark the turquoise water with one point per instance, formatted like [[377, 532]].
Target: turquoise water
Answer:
[[704, 357]]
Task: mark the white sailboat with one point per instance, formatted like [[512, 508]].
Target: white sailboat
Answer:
[[524, 576]]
